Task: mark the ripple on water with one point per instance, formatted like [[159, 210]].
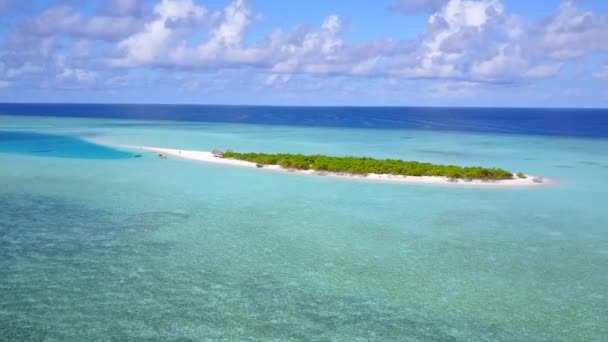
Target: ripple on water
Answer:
[[69, 272]]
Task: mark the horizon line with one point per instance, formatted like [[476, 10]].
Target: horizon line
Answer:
[[292, 106]]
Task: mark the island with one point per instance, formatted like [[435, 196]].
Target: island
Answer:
[[353, 168], [364, 166]]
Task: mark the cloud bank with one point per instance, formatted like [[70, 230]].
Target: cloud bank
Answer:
[[463, 42]]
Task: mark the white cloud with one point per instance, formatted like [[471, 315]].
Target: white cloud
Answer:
[[504, 64], [64, 20], [544, 70], [108, 28], [470, 41], [322, 52], [231, 31], [150, 46], [311, 52], [475, 41], [453, 37], [3, 83], [453, 89], [27, 68], [58, 19], [301, 50], [80, 49], [226, 39], [572, 32], [277, 79], [601, 73], [77, 74], [117, 81]]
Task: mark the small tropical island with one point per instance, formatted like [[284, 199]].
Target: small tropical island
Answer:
[[359, 168], [364, 166]]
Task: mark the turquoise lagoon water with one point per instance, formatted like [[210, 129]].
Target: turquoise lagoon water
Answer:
[[95, 246], [53, 145]]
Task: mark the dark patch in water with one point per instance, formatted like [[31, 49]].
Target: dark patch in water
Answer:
[[89, 134], [19, 329], [594, 163], [564, 166], [62, 146], [443, 152]]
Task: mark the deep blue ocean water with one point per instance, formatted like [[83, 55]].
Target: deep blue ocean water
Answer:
[[95, 246], [555, 122]]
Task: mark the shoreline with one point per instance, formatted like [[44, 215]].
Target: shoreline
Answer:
[[208, 157]]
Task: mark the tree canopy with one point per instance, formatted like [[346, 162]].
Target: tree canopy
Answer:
[[363, 165]]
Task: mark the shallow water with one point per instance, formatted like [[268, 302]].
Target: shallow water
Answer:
[[136, 248]]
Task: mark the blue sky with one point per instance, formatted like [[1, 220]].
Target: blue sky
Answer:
[[513, 53]]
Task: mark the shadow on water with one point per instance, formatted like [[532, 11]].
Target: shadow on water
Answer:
[[50, 145], [442, 152], [594, 163]]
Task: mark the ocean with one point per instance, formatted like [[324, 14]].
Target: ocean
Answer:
[[96, 245]]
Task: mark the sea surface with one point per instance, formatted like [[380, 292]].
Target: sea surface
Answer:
[[96, 245]]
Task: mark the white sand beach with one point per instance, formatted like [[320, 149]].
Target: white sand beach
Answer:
[[208, 157]]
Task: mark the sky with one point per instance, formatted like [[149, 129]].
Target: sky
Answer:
[[504, 53]]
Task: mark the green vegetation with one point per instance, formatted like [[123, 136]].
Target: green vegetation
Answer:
[[363, 166], [521, 175]]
